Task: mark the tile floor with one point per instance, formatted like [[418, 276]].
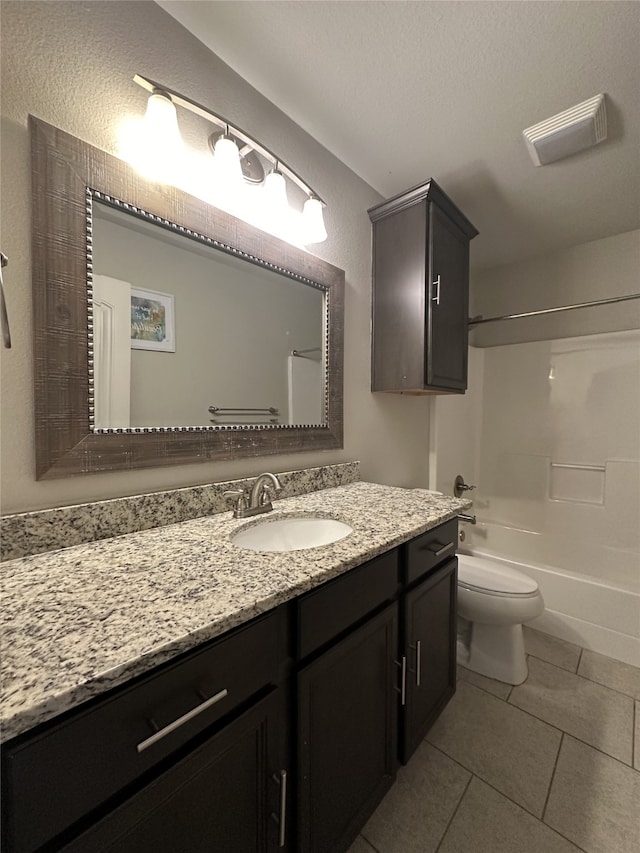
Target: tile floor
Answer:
[[545, 767]]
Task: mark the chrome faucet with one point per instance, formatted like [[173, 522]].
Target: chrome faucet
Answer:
[[259, 499]]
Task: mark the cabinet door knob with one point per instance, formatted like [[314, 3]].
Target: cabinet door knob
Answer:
[[436, 291]]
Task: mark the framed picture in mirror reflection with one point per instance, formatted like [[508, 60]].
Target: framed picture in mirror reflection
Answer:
[[152, 320]]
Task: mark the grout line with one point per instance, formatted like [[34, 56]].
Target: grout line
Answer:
[[583, 677], [455, 812], [455, 760], [551, 726], [633, 737], [372, 846], [555, 765], [557, 665], [509, 799], [486, 782], [571, 734], [566, 837], [484, 689], [607, 687]]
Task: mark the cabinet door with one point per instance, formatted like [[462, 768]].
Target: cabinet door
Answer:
[[347, 716], [398, 328], [226, 795], [430, 646], [448, 303]]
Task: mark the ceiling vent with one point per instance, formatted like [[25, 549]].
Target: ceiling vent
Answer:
[[568, 132]]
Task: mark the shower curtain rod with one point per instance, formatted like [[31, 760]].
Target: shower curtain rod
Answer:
[[477, 321]]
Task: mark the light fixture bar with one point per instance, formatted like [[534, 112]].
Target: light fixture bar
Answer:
[[223, 123]]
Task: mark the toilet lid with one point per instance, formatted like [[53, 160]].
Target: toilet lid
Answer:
[[489, 576]]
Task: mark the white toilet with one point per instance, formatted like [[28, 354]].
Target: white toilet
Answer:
[[495, 600]]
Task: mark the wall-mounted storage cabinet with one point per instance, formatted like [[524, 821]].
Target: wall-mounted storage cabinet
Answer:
[[420, 293]]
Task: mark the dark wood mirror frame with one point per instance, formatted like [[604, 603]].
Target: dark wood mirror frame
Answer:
[[66, 173]]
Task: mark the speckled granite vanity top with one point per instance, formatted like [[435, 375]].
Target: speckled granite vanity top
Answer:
[[79, 621]]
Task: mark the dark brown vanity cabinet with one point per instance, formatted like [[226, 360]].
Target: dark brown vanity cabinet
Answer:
[[429, 628], [228, 794], [347, 704], [283, 735], [193, 756], [420, 293]]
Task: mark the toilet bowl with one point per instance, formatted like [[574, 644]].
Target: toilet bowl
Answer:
[[495, 600]]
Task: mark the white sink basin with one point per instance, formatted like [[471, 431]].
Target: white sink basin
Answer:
[[290, 534]]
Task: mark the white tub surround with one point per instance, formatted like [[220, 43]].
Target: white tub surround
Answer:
[[80, 621], [553, 446]]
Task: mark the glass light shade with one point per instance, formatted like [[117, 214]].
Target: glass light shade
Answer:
[[275, 192], [153, 145], [161, 118], [226, 159], [227, 184], [314, 230]]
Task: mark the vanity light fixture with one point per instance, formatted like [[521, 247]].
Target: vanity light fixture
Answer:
[[236, 175]]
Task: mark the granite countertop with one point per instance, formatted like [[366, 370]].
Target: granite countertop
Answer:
[[79, 621]]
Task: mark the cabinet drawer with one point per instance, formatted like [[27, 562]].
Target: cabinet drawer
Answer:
[[338, 604], [431, 549], [95, 753]]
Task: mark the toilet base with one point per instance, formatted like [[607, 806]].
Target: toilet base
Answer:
[[497, 651]]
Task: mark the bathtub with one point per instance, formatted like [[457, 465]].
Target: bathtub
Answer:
[[593, 599]]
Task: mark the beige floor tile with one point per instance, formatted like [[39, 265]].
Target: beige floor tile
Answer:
[[594, 800], [636, 740], [361, 846], [413, 816], [612, 673], [589, 711], [487, 822], [552, 649], [497, 688], [504, 746]]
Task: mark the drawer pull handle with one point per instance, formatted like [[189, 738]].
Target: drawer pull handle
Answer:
[[145, 744], [403, 689], [282, 819], [438, 552]]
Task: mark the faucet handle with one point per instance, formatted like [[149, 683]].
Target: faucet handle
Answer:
[[266, 494], [459, 486], [242, 498]]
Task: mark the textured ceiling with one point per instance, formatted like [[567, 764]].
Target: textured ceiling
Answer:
[[404, 91]]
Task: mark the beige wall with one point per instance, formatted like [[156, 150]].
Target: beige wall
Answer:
[[72, 64], [584, 273]]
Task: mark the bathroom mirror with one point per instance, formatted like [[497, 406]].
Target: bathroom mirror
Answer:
[[167, 331]]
